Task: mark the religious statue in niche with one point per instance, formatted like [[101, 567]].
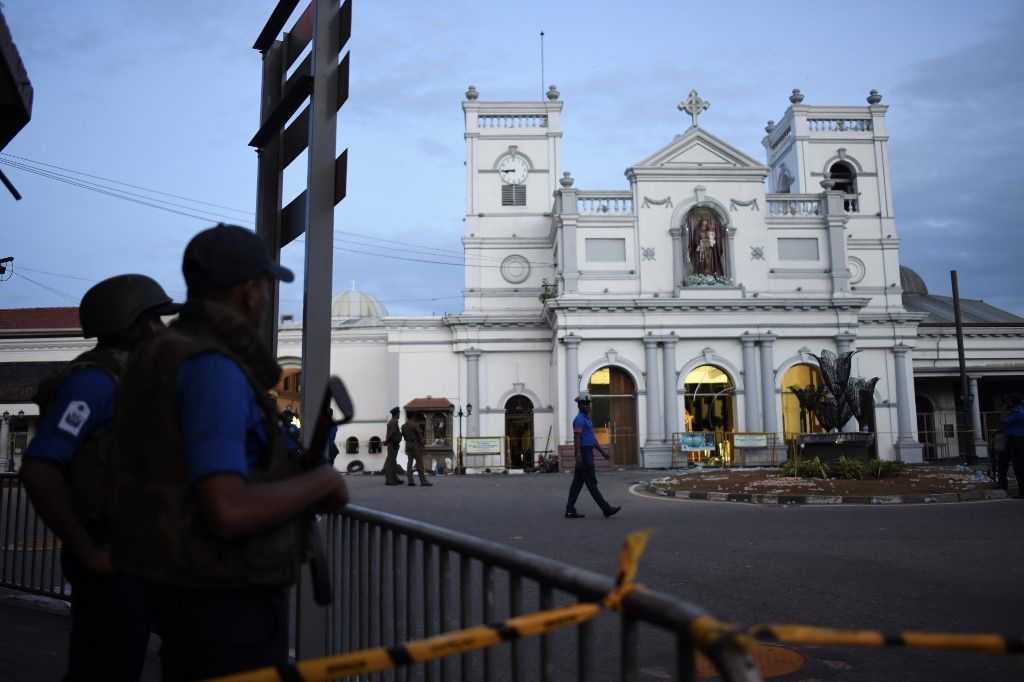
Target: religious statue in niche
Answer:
[[705, 247]]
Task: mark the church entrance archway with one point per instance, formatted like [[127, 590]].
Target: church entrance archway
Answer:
[[614, 412], [708, 405], [795, 419], [519, 431]]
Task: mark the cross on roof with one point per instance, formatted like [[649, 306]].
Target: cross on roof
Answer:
[[694, 106]]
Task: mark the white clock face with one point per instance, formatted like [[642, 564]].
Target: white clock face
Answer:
[[512, 170]]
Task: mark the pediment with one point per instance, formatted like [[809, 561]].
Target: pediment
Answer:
[[697, 148]]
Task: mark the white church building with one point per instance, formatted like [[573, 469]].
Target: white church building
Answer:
[[688, 301]]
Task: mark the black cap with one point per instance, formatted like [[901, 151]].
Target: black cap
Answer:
[[225, 255], [396, 410]]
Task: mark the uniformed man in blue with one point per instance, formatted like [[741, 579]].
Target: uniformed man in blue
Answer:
[[66, 473], [209, 506], [584, 443]]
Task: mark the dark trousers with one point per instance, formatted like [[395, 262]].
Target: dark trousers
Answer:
[[415, 455], [585, 474], [212, 632], [391, 464], [109, 625], [1013, 455]]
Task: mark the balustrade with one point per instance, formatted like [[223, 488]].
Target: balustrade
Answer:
[[513, 121], [839, 125], [614, 204]]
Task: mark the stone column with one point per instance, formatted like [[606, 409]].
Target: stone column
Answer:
[[768, 407], [903, 414], [651, 372], [677, 259], [668, 373], [752, 417], [5, 443], [980, 448], [473, 390], [572, 373]]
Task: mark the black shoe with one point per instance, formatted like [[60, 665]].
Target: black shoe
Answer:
[[573, 514], [426, 483], [611, 511], [411, 483]]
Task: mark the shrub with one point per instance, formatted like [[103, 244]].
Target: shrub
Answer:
[[883, 469], [848, 467]]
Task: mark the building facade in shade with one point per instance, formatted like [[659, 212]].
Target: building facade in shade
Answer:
[[689, 300]]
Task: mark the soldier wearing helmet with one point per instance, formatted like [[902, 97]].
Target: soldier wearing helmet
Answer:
[[65, 472], [208, 504]]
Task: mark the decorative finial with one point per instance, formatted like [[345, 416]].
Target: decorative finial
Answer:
[[471, 93], [566, 180], [827, 183], [694, 106], [874, 97], [797, 96], [553, 93], [769, 127]]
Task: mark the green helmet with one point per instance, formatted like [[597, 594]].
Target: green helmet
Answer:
[[114, 304]]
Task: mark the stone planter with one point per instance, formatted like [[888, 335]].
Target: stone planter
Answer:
[[831, 446]]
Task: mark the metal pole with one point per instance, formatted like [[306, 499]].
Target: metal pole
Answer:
[[965, 394]]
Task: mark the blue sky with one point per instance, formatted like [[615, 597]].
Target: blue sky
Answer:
[[165, 96]]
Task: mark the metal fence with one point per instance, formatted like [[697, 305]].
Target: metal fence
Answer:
[[397, 579], [29, 551]]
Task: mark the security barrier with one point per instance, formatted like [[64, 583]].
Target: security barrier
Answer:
[[29, 551]]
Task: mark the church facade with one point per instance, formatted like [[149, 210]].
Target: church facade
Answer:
[[688, 302]]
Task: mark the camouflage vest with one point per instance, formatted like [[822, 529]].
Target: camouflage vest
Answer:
[[88, 471], [158, 528]]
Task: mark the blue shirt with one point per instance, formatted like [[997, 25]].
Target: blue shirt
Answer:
[[221, 421], [83, 400], [1013, 422], [583, 426]]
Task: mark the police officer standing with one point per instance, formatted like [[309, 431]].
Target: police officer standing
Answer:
[[393, 438], [584, 443], [209, 507], [66, 475], [414, 444]]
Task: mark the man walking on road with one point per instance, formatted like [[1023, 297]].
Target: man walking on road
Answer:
[[393, 439], [584, 444]]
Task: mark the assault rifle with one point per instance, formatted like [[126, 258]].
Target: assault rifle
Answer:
[[314, 456]]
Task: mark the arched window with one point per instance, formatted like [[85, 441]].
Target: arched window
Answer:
[[351, 445], [845, 179], [374, 446]]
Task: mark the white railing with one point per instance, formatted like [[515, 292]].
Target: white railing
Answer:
[[839, 125], [513, 121], [597, 204], [810, 206]]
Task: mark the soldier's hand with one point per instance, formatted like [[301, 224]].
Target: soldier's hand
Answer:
[[98, 560], [338, 497]]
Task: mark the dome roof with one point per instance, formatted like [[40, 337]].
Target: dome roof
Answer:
[[912, 283], [353, 303]]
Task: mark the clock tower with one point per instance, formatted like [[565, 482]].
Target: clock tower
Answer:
[[513, 153]]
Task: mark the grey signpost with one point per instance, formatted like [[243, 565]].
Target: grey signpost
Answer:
[[325, 27]]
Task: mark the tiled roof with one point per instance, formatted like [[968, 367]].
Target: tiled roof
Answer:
[[39, 318], [429, 404]]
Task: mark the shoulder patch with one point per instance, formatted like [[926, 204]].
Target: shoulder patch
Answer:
[[74, 417]]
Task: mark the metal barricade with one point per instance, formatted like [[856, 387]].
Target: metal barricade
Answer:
[[29, 551], [396, 580]]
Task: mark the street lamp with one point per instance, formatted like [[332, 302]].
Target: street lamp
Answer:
[[460, 414]]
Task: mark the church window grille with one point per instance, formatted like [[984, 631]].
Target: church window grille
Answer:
[[513, 195]]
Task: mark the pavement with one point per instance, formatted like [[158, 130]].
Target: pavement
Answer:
[[935, 567]]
